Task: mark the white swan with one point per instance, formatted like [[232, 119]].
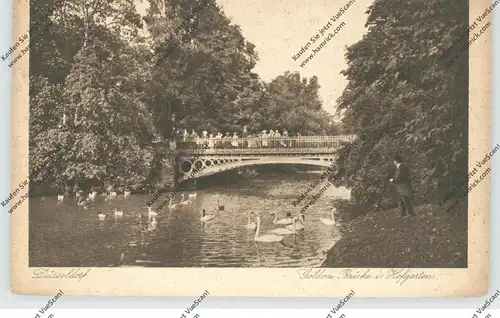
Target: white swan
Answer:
[[267, 237], [110, 196], [152, 225], [151, 213], [126, 194], [299, 226], [284, 221], [184, 202], [92, 196], [60, 198], [101, 216], [251, 225], [206, 217], [117, 212], [285, 231], [172, 206], [329, 221], [84, 202]]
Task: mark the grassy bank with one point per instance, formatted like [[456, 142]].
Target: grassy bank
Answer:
[[383, 239]]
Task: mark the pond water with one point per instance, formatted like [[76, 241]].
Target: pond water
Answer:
[[63, 234]]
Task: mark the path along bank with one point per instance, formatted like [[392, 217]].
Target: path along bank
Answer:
[[384, 239]]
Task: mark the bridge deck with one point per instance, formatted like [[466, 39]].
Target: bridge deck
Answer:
[[261, 146], [258, 151]]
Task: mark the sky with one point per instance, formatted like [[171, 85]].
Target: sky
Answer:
[[279, 28]]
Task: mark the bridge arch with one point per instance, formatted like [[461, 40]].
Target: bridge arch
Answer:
[[218, 165]]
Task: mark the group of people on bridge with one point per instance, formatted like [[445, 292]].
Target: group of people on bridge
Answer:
[[264, 139]]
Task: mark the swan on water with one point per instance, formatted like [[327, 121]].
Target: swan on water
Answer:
[[126, 194], [92, 196], [117, 212], [184, 202], [284, 221], [151, 213], [286, 231], [84, 202], [266, 237], [60, 197], [330, 221], [152, 225], [299, 226], [251, 225], [206, 217], [101, 216], [139, 219], [172, 206]]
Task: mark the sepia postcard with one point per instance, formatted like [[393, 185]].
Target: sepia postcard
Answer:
[[245, 148]]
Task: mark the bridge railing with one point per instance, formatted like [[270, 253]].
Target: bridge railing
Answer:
[[259, 144]]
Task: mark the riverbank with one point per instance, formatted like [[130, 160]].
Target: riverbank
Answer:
[[383, 239]]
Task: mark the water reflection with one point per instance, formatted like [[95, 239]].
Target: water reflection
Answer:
[[62, 234]]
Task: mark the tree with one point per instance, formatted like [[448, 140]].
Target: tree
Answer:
[[94, 117], [402, 96], [102, 89], [204, 71], [292, 103]]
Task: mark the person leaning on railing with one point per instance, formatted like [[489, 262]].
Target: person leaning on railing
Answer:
[[252, 141], [277, 139], [285, 136], [272, 142], [265, 139], [227, 141], [281, 142], [245, 134], [211, 142]]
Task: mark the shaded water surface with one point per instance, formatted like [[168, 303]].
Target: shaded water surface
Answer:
[[62, 234]]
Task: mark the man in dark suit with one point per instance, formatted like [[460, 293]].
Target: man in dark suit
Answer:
[[402, 181]]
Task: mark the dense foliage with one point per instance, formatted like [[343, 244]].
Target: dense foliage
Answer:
[[106, 82], [292, 103], [403, 98]]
